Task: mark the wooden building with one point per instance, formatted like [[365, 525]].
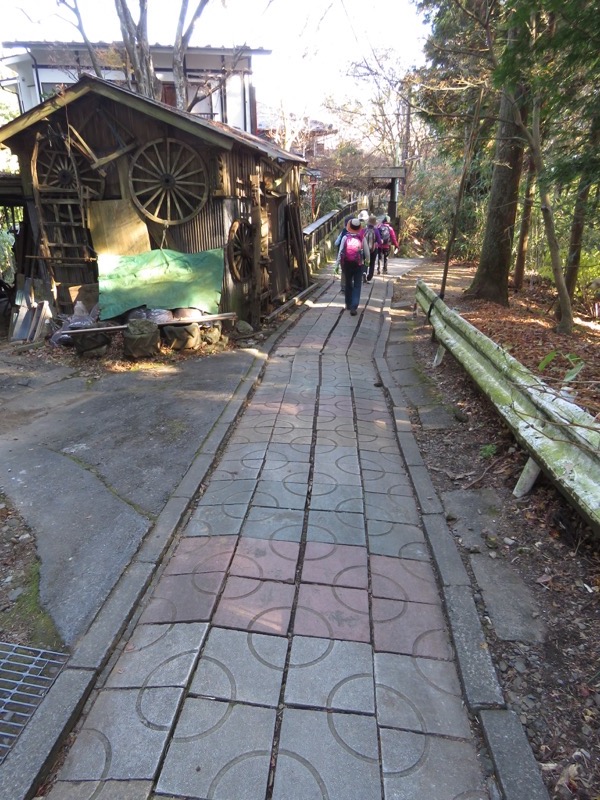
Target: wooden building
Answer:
[[107, 171]]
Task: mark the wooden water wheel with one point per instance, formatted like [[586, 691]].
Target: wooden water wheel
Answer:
[[240, 250], [62, 170], [63, 184], [168, 181]]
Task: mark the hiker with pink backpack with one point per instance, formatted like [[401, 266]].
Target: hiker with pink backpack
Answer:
[[388, 238], [353, 255]]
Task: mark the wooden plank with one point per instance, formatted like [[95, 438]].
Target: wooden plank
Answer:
[[116, 228], [200, 320], [86, 293], [103, 160]]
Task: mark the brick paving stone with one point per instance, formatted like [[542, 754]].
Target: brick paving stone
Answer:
[[403, 579], [336, 468], [416, 629], [395, 539], [124, 735], [183, 598], [227, 493], [332, 439], [284, 494], [288, 425], [242, 451], [262, 606], [265, 559], [391, 508], [288, 452], [385, 447], [197, 554], [338, 403], [274, 523], [290, 472], [383, 462], [216, 520], [327, 755], [260, 424], [246, 434], [241, 666], [419, 694], [260, 406], [101, 790], [333, 613], [234, 469], [330, 674], [418, 766], [219, 750], [375, 432], [327, 453], [158, 655], [329, 497], [344, 430], [298, 437], [336, 527], [377, 414], [329, 413], [392, 483], [300, 394], [335, 565]]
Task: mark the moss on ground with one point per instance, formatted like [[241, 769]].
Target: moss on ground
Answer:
[[26, 622]]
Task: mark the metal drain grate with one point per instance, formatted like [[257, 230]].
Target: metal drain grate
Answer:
[[26, 674]]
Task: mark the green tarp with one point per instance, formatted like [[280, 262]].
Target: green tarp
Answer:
[[160, 279]]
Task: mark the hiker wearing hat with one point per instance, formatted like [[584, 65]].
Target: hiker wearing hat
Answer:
[[373, 238], [340, 238], [353, 255], [388, 238]]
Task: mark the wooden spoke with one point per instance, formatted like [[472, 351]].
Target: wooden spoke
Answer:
[[240, 251], [168, 181]]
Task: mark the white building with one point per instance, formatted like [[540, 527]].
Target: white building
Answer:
[[219, 79]]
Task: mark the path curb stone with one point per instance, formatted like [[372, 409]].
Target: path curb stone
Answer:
[[516, 768]]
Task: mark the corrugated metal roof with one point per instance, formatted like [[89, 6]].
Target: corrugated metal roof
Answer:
[[217, 133], [166, 47]]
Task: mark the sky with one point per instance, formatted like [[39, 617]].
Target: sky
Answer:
[[311, 42]]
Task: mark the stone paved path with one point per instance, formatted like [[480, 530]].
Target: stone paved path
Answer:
[[294, 645]]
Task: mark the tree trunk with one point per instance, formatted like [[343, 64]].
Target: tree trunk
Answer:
[[577, 228], [491, 279], [525, 226], [135, 39], [182, 40], [566, 314], [469, 148], [580, 212], [535, 142]]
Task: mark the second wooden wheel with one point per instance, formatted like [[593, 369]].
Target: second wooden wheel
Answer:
[[239, 250], [168, 181]]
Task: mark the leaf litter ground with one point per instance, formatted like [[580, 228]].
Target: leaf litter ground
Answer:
[[554, 686]]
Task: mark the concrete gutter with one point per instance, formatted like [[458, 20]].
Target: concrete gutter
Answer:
[[562, 439]]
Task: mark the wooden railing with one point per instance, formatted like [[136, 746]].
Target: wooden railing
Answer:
[[561, 438], [320, 234]]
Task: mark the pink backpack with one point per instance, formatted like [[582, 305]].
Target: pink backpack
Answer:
[[353, 249]]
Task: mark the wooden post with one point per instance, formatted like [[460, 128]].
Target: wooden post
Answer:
[[256, 220]]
